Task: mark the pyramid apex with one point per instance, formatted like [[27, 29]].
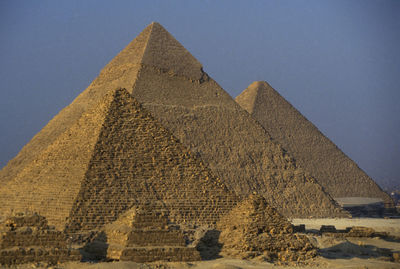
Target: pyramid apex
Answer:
[[248, 98], [164, 52], [259, 85], [155, 23]]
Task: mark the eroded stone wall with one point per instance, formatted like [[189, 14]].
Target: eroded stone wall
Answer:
[[27, 238]]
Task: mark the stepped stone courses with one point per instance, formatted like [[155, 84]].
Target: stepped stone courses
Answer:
[[142, 235], [208, 121], [313, 151], [91, 178], [130, 158], [27, 238], [253, 228]]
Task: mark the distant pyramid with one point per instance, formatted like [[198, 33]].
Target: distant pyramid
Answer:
[[114, 157], [313, 151], [172, 85]]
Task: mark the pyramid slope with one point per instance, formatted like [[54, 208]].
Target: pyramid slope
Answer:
[[120, 72], [114, 157], [137, 160], [50, 183], [336, 172], [202, 116], [238, 150]]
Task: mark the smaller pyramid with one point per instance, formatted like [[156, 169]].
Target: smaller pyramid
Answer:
[[142, 235], [314, 152], [254, 228], [27, 238]]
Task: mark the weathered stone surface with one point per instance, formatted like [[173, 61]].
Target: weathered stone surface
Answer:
[[159, 72], [237, 149], [142, 234], [128, 158], [255, 229], [313, 151], [27, 238]]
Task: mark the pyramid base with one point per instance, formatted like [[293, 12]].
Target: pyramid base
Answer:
[[152, 254], [12, 256]]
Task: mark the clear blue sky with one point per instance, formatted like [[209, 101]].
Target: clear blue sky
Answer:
[[337, 61]]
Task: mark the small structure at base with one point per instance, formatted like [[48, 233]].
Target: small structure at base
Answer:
[[363, 206], [26, 237], [255, 229], [143, 235]]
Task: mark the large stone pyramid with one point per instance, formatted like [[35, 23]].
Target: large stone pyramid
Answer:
[[115, 156], [172, 85], [313, 151]]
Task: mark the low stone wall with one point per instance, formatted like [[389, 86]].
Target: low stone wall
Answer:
[[27, 238]]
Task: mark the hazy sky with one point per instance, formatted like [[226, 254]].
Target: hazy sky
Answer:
[[338, 62]]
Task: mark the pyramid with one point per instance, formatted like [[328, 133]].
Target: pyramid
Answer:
[[142, 235], [313, 151], [253, 228], [171, 84], [114, 157], [27, 238]]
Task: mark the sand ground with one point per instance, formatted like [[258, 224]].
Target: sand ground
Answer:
[[354, 253]]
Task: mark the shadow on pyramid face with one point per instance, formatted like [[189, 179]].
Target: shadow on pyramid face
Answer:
[[209, 245], [95, 249]]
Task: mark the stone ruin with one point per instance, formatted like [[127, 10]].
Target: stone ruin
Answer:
[[255, 229], [26, 237], [143, 235]]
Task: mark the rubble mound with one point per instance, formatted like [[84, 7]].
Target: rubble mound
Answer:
[[255, 229], [26, 237], [143, 235]]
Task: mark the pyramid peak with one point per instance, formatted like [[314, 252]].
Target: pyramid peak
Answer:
[[248, 98], [164, 52], [259, 85]]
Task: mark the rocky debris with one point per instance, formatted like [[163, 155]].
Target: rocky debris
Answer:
[[355, 231], [26, 237], [396, 257], [143, 235], [327, 229], [255, 229]]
